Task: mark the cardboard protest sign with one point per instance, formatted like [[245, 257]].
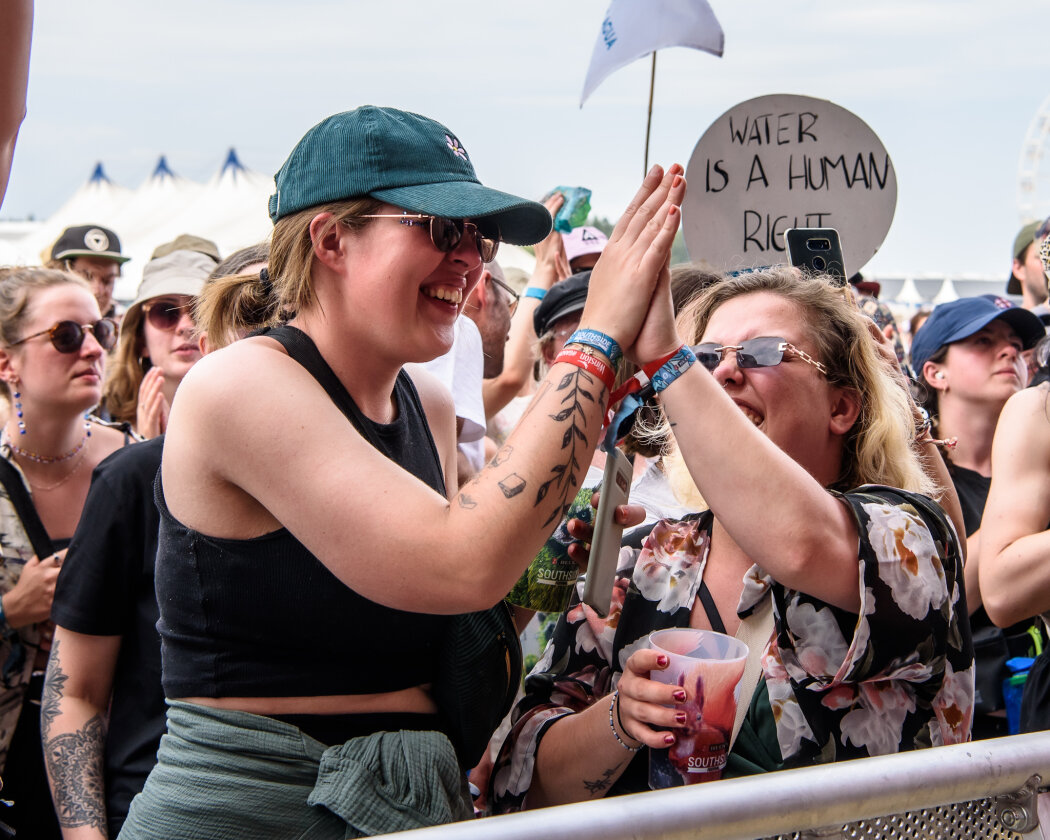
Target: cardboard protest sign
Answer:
[[784, 161]]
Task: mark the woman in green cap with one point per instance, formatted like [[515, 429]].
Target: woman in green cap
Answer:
[[315, 556]]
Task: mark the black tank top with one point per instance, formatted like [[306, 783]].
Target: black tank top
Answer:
[[265, 618]]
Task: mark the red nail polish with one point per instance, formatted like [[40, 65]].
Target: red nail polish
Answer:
[[680, 718], [677, 180], [661, 660], [669, 740], [679, 696]]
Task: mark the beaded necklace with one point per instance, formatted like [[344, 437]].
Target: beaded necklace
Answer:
[[49, 459]]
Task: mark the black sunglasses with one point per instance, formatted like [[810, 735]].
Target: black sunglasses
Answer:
[[446, 234], [68, 336], [766, 351]]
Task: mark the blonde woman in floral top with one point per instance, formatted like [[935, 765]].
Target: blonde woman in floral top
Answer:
[[804, 451]]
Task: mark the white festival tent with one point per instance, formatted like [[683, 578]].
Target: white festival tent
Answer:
[[96, 199]]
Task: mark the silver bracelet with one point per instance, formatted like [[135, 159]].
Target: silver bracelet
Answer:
[[612, 705]]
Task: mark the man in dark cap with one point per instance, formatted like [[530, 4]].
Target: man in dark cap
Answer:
[[93, 252], [1027, 277], [558, 315]]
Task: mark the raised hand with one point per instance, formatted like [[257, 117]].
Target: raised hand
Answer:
[[626, 275], [151, 414], [552, 264]]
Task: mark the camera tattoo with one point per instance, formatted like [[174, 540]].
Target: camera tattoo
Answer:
[[563, 482]]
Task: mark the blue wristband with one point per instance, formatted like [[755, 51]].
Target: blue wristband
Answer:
[[599, 341], [674, 367], [535, 292]]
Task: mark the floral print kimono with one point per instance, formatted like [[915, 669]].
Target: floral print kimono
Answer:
[[836, 685]]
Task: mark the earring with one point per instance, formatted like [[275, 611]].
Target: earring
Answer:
[[18, 412], [938, 375]]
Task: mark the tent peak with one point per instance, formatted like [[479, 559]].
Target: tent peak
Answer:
[[232, 162], [99, 175], [162, 170]]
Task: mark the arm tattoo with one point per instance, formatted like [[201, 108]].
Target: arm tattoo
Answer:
[[54, 690], [599, 785], [501, 457], [563, 480], [467, 502], [512, 485], [74, 759], [74, 763]]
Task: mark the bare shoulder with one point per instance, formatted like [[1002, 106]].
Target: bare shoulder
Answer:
[[1025, 421], [435, 397]]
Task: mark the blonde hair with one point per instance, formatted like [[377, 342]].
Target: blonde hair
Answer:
[[232, 304], [879, 448], [18, 285], [227, 304]]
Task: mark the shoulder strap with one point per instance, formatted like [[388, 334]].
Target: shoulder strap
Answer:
[[711, 608], [754, 631], [302, 348], [23, 504]]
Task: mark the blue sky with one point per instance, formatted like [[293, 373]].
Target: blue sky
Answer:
[[951, 88]]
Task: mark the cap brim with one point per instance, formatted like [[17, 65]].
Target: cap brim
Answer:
[[102, 255], [521, 222], [1026, 324]]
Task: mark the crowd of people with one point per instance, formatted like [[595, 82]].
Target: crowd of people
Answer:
[[258, 525]]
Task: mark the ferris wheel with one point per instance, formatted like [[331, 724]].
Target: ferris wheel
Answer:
[[1033, 170]]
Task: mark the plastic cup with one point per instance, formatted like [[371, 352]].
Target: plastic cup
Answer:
[[708, 665]]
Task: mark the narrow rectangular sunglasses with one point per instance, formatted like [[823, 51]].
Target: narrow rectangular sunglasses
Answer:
[[446, 233], [68, 336], [765, 351]]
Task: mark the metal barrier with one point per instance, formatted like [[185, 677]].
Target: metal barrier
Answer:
[[986, 790]]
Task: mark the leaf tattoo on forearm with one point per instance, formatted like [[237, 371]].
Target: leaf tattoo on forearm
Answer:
[[563, 482]]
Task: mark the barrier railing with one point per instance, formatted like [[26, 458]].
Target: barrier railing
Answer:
[[1003, 775]]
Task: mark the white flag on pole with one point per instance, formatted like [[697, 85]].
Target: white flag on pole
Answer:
[[634, 28]]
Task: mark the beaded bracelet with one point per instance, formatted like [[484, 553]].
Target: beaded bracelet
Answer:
[[589, 363], [614, 703], [535, 292], [679, 363], [599, 341]]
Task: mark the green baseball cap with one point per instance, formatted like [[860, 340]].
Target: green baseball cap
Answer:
[[403, 159]]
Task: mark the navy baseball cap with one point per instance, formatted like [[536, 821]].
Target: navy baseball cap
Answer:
[[961, 318], [403, 159]]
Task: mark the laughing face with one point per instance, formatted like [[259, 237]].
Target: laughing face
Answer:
[[792, 403]]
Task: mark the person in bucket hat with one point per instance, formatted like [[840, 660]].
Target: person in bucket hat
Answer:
[[322, 626]]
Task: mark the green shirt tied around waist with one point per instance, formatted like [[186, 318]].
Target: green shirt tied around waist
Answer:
[[265, 778]]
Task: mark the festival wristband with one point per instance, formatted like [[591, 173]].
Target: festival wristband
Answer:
[[589, 363], [640, 379], [599, 341], [669, 371], [535, 292]]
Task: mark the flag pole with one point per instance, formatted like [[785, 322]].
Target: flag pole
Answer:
[[649, 121]]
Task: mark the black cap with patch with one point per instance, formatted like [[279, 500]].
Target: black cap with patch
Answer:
[[88, 241]]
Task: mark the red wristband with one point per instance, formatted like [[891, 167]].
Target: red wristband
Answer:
[[589, 363], [640, 379]]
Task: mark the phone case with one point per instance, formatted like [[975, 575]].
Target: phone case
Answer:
[[816, 250], [605, 545]]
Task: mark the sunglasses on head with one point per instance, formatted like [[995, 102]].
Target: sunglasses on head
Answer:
[[165, 314], [766, 351], [446, 234], [68, 336]]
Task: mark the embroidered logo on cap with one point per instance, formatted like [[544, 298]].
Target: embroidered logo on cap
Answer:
[[457, 149], [96, 240], [1003, 303], [589, 236]]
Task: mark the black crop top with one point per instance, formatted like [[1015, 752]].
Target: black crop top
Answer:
[[265, 618]]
